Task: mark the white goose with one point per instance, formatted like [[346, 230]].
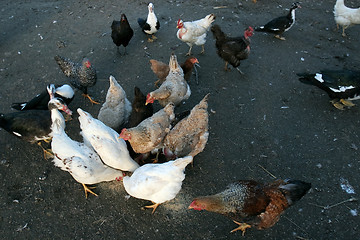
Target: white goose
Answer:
[[112, 149], [81, 161]]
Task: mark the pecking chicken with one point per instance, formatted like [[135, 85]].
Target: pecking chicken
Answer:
[[342, 86], [345, 16], [139, 111], [259, 204], [232, 49], [117, 108], [157, 182], [161, 69], [81, 161], [149, 134], [112, 150], [41, 100], [194, 32], [151, 24], [174, 89], [281, 24], [121, 32], [82, 75], [189, 136]]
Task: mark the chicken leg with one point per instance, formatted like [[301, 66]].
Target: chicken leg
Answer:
[[189, 52], [47, 152], [242, 227], [87, 189], [91, 100], [154, 206]]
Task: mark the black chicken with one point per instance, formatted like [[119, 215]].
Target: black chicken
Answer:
[[342, 86], [232, 49], [121, 33], [281, 24], [82, 75], [40, 101], [140, 111]]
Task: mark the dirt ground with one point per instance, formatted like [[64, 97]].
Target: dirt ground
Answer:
[[262, 120]]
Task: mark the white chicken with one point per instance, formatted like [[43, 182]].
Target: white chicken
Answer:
[[157, 182], [117, 108], [345, 16], [112, 150], [81, 161], [194, 32]]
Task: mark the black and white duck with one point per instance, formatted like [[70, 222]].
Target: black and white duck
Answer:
[[151, 24]]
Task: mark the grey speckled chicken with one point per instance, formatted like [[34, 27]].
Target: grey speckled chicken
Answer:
[[82, 75]]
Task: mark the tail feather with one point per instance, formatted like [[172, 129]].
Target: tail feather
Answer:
[[294, 190], [181, 163], [141, 22], [18, 106]]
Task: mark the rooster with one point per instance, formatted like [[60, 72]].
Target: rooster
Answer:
[[345, 16], [342, 86], [151, 24], [194, 32], [82, 75], [161, 69], [259, 204], [159, 182], [189, 136], [175, 89], [121, 32], [281, 24], [232, 49]]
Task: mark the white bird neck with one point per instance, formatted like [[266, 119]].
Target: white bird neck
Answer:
[[57, 119]]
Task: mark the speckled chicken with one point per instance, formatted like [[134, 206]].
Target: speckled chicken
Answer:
[[117, 108], [161, 70], [149, 134], [82, 75], [258, 204], [157, 182], [189, 136], [175, 89]]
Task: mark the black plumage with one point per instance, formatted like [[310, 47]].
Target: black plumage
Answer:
[[121, 32], [151, 24], [82, 75], [281, 24], [342, 86], [40, 101], [140, 111], [232, 49]]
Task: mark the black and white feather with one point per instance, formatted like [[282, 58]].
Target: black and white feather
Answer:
[[151, 24]]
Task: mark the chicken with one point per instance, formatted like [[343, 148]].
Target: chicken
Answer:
[[34, 126], [82, 75], [194, 32], [157, 182], [151, 24], [345, 16], [189, 136], [161, 69], [175, 89], [117, 108], [81, 161], [232, 49], [281, 24], [259, 204], [121, 32], [41, 100], [149, 134], [342, 86], [139, 111], [112, 150]]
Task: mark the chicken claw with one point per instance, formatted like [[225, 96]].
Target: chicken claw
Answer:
[[47, 152], [202, 49], [347, 103], [87, 189], [242, 227], [154, 206], [91, 100]]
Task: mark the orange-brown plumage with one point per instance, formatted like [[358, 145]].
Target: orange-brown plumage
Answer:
[[258, 204]]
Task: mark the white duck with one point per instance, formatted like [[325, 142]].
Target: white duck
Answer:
[[117, 108], [81, 161], [112, 150], [157, 182]]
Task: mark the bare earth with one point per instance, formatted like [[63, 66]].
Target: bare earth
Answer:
[[264, 119]]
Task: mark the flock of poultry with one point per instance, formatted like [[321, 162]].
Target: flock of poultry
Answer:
[[117, 143]]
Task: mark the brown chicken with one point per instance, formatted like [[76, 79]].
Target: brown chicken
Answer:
[[161, 69], [149, 134], [258, 204], [189, 136], [175, 89]]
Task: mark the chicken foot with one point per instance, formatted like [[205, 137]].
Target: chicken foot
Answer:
[[87, 190], [47, 152], [189, 52], [280, 37], [154, 206], [242, 227], [152, 39], [91, 100]]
